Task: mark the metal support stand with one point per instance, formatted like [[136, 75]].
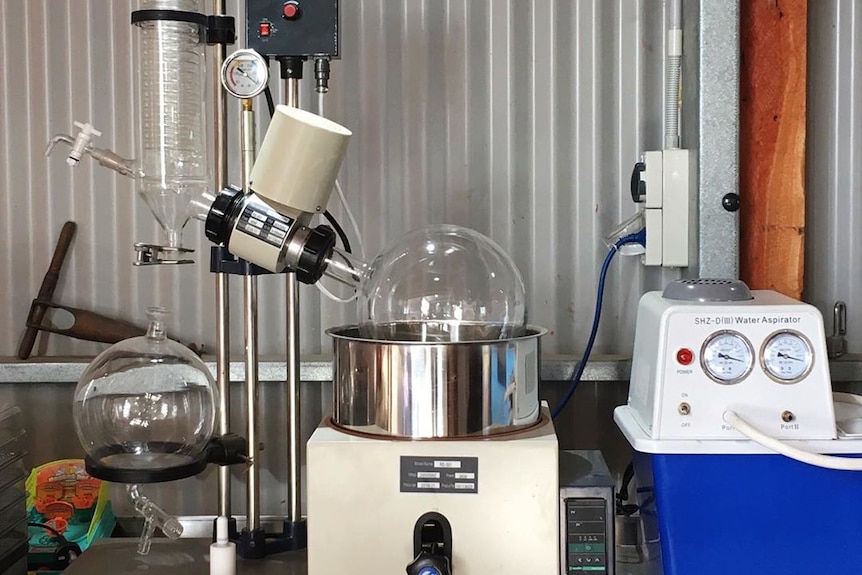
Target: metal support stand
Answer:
[[222, 279], [294, 525], [251, 399]]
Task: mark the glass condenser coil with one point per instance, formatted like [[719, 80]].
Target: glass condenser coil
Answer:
[[172, 129]]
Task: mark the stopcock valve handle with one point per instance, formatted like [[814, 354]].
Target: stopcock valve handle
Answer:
[[429, 564]]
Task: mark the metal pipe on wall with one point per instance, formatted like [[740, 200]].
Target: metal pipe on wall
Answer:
[[222, 292], [294, 453]]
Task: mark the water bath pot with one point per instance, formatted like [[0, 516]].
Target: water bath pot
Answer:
[[414, 389]]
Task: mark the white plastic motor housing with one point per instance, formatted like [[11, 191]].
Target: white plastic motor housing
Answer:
[[299, 160], [291, 180]]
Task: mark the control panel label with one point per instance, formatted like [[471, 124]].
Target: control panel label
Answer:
[[586, 535], [264, 224], [439, 474], [741, 320]]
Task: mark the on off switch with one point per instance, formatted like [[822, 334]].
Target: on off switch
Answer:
[[290, 10], [265, 29]]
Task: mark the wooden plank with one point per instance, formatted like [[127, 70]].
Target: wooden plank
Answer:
[[772, 144]]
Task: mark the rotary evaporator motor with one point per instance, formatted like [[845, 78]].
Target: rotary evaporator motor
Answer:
[[269, 225]]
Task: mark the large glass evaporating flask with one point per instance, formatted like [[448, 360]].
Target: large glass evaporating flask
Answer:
[[442, 283], [172, 129], [145, 409]]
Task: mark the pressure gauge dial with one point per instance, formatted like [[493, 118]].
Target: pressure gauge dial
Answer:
[[245, 74], [727, 357], [787, 356]]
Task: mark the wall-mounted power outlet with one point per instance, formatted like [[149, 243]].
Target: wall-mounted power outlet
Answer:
[[669, 181]]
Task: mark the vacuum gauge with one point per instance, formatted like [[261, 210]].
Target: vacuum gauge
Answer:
[[787, 356], [245, 74], [727, 357]]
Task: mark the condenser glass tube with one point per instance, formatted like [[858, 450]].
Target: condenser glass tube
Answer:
[[345, 268], [172, 128]]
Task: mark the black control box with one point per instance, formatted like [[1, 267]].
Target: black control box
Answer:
[[587, 538], [294, 28]]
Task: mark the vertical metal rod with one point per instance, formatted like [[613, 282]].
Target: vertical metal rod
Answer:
[[251, 337], [294, 430], [222, 283], [220, 108], [248, 145], [291, 92], [223, 382], [251, 401]]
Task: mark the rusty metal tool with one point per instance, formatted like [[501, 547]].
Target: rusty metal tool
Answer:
[[87, 325]]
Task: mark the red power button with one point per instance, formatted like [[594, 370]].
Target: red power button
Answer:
[[685, 356], [290, 10]]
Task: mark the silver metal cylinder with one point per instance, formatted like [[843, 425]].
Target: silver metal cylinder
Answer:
[[294, 429], [222, 283], [291, 92], [248, 146], [294, 452], [431, 390], [220, 108], [251, 402], [223, 383]]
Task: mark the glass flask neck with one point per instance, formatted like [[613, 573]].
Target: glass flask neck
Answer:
[[345, 268], [200, 206], [157, 329]]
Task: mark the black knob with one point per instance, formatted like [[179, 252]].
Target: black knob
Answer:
[[731, 202], [638, 186], [429, 564]]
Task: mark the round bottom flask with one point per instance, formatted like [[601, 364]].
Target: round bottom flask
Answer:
[[145, 409], [441, 348], [442, 283]]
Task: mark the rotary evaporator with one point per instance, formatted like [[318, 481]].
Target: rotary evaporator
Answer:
[[437, 450]]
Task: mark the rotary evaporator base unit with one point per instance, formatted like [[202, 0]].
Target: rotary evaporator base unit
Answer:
[[437, 458], [729, 411]]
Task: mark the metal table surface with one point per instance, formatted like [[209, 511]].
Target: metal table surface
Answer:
[[166, 557], [191, 557]]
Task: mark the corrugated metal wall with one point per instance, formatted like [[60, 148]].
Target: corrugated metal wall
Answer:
[[833, 263], [518, 118]]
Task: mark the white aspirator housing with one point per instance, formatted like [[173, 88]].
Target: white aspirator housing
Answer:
[[706, 347]]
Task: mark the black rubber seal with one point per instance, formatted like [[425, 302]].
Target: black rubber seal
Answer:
[[137, 475], [221, 30], [312, 260], [139, 16], [221, 216]]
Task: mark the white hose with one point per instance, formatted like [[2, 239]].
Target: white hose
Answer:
[[842, 397], [353, 223], [816, 459]]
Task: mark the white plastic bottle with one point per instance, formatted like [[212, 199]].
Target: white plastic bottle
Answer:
[[222, 552]]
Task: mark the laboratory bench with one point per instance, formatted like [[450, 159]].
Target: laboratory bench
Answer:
[[190, 557]]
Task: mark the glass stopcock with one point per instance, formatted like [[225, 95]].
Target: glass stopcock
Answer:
[[245, 74]]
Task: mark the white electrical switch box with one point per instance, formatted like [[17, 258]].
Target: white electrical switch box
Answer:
[[670, 178]]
